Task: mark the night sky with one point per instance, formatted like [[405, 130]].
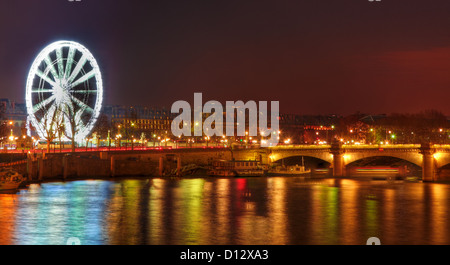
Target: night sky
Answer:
[[314, 56]]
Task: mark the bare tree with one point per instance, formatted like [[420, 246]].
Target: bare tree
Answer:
[[72, 118], [51, 122], [61, 130]]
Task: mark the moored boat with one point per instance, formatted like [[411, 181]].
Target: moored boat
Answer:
[[283, 170], [10, 179], [289, 170], [237, 168], [222, 173]]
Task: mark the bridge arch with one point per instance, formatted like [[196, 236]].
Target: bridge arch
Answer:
[[308, 161], [323, 156], [412, 157], [442, 159]]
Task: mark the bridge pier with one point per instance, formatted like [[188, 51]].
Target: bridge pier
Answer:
[[338, 159], [161, 166], [338, 165], [179, 164], [65, 163], [113, 166], [428, 164], [30, 168], [41, 171]]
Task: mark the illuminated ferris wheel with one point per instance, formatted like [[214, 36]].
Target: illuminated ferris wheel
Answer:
[[64, 91]]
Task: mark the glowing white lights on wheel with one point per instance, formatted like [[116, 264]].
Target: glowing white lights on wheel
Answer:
[[64, 86]]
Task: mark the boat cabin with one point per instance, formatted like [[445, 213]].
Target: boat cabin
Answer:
[[237, 164]]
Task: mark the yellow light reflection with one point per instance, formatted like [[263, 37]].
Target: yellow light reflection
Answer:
[[324, 215], [349, 208], [7, 218], [191, 209], [277, 206], [223, 208], [156, 211], [439, 209]]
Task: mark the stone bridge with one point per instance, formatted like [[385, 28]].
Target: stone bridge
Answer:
[[428, 156]]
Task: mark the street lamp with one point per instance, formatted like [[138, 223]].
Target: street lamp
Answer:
[[11, 139], [118, 136], [109, 140]]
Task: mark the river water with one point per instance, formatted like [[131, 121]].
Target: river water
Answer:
[[233, 211]]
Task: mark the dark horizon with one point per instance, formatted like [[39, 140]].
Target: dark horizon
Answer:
[[327, 57]]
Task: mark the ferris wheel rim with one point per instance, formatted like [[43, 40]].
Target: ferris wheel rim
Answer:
[[33, 73]]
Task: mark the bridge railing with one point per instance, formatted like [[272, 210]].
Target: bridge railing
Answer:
[[384, 146], [444, 146], [350, 146], [301, 146]]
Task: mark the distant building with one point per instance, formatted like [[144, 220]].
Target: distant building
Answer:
[[14, 115], [307, 129], [132, 121]]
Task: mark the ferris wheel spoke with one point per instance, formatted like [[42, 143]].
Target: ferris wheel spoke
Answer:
[[69, 62], [84, 78], [60, 63], [43, 104], [45, 77], [81, 104], [77, 68], [83, 91], [81, 124], [41, 90], [51, 67]]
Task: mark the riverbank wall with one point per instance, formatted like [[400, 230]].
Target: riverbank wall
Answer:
[[51, 166]]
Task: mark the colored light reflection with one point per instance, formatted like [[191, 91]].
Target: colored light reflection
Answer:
[[278, 210], [324, 214], [52, 213]]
